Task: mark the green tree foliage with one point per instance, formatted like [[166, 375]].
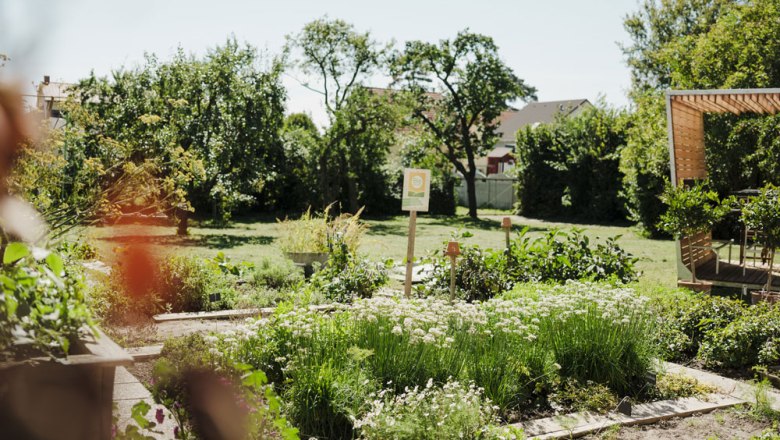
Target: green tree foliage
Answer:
[[352, 153], [691, 44], [459, 88], [571, 167], [762, 213], [204, 131], [691, 210]]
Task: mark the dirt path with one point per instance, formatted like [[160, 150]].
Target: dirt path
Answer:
[[735, 423]]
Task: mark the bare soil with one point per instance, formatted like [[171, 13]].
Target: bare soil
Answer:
[[728, 424]]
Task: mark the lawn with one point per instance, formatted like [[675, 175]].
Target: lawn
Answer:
[[254, 239]]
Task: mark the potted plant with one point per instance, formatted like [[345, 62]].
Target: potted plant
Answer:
[[691, 210], [56, 367], [310, 239], [762, 213]]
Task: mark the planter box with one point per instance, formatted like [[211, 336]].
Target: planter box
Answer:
[[64, 399], [756, 296], [699, 286], [306, 260]]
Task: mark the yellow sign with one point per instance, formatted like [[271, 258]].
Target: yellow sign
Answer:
[[417, 190]]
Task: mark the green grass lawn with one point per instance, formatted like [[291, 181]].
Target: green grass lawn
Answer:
[[253, 239]]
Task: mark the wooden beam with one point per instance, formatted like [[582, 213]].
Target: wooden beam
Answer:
[[727, 105]]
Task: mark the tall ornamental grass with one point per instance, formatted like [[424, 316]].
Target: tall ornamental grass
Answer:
[[514, 347]]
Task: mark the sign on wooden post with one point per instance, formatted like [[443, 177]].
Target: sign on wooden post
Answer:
[[415, 197]]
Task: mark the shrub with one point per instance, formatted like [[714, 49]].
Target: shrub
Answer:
[[685, 322], [189, 364], [738, 344], [41, 301], [347, 276], [280, 276], [559, 256], [452, 411], [190, 284], [478, 275]]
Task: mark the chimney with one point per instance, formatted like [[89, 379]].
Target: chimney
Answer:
[[46, 79]]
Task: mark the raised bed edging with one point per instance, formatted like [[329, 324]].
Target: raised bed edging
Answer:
[[580, 424], [230, 314]]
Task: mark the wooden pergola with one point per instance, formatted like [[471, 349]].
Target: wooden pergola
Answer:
[[685, 111]]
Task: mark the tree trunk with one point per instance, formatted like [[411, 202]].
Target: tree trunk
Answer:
[[690, 257], [471, 190], [352, 193], [768, 286]]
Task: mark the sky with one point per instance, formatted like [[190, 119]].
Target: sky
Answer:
[[567, 49]]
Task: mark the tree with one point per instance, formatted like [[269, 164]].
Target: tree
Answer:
[[570, 167], [762, 213], [353, 150], [690, 44], [459, 88], [206, 131], [692, 210]]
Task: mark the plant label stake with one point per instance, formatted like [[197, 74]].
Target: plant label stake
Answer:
[[453, 250], [506, 224], [415, 197]]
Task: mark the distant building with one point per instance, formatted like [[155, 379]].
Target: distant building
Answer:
[[50, 97], [501, 158]]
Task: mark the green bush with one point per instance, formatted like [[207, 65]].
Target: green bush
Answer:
[[190, 284], [190, 362], [347, 276], [571, 167], [41, 301], [559, 256], [478, 275], [452, 411], [684, 323], [739, 343], [182, 284], [282, 276]]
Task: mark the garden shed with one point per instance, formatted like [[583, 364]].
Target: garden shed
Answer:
[[685, 111]]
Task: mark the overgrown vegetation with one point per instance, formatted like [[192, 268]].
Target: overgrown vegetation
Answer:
[[515, 348], [42, 302]]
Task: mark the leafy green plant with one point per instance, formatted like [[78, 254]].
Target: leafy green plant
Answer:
[[738, 344], [278, 276], [347, 276], [762, 213], [478, 274], [190, 359], [685, 322], [691, 210], [571, 395], [674, 386], [41, 302], [559, 256]]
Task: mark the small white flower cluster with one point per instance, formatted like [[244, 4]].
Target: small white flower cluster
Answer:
[[453, 410]]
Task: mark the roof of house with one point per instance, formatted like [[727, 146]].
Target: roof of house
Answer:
[[500, 152], [536, 113], [57, 90]]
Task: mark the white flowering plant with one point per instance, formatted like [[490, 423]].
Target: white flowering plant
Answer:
[[514, 348]]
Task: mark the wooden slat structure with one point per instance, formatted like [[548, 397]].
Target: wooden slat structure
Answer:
[[685, 111]]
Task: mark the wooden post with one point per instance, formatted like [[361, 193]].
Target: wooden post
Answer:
[[506, 224], [410, 253], [453, 250]]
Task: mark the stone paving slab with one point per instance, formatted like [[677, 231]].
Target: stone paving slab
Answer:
[[579, 424], [144, 353], [128, 391], [735, 388]]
